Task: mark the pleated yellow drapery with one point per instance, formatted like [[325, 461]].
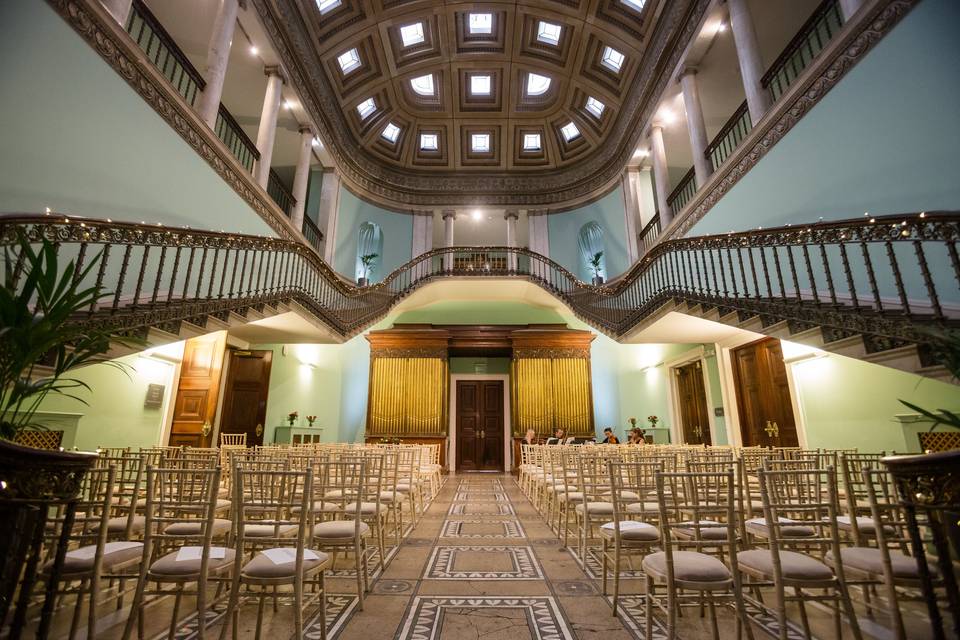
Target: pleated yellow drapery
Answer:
[[547, 393], [408, 396]]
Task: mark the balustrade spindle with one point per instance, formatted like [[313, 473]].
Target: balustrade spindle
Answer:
[[156, 281], [243, 276], [928, 280], [871, 276], [174, 271], [828, 274], [954, 259], [793, 274], [78, 267], [213, 274], [813, 282], [101, 271], [743, 272], [766, 271], [143, 270], [733, 273], [123, 274], [723, 273], [898, 279], [848, 273], [776, 263], [753, 273]]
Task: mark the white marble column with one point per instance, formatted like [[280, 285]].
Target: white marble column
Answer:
[[850, 7], [539, 240], [449, 217], [267, 132], [748, 56], [218, 54], [511, 216], [631, 210], [702, 166], [119, 9], [658, 156], [329, 212], [302, 177]]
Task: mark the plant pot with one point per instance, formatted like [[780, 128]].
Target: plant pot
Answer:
[[597, 281], [33, 480], [362, 282]]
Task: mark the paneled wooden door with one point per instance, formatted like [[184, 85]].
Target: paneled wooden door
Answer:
[[479, 425], [763, 395], [245, 398], [692, 397], [194, 411]]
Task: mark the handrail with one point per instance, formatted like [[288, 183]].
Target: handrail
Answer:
[[312, 232], [809, 40], [232, 134], [684, 191], [649, 234], [880, 277], [279, 192], [730, 136]]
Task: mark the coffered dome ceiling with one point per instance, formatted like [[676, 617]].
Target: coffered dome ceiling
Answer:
[[534, 103]]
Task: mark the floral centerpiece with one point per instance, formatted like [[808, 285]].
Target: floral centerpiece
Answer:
[[311, 420], [292, 417], [653, 420]]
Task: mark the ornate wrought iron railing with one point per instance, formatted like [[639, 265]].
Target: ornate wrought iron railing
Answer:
[[312, 233], [161, 49], [730, 136], [683, 192], [812, 37], [649, 234], [279, 192], [881, 277]]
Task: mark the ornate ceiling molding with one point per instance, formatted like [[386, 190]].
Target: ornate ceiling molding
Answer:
[[586, 173]]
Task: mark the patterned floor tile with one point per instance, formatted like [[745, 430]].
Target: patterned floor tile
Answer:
[[481, 509], [480, 529], [483, 563], [478, 496], [533, 617], [594, 567], [339, 609]]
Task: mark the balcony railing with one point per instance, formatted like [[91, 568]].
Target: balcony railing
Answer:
[[812, 37], [881, 277], [683, 192], [169, 60], [648, 235], [730, 136], [279, 192], [312, 233]]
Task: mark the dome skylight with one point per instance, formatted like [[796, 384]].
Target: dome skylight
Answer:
[[349, 60], [480, 23], [412, 34], [595, 107], [391, 132], [480, 142], [531, 142], [612, 59], [537, 85], [366, 107], [423, 85], [429, 142], [327, 5], [548, 32], [635, 4], [569, 131], [480, 85]]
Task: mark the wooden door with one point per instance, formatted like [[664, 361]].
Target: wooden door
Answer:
[[479, 425], [194, 411], [692, 396], [763, 395], [245, 398]]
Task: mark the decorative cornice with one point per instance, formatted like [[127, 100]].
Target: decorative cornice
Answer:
[[393, 188], [826, 71], [92, 22], [551, 353], [408, 352]]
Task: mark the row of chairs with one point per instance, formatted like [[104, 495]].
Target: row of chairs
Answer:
[[723, 525], [176, 521]]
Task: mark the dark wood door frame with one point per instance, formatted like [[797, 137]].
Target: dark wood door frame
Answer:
[[762, 394], [506, 425], [693, 411], [242, 391]]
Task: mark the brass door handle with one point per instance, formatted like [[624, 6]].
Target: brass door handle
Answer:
[[206, 429], [259, 430], [483, 434]]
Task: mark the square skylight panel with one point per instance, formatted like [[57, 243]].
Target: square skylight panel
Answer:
[[537, 84], [327, 5], [423, 85], [569, 131], [480, 142], [531, 142], [635, 4], [595, 107], [391, 132], [349, 60], [480, 85], [366, 107], [480, 23], [548, 32], [612, 59], [429, 141], [412, 34]]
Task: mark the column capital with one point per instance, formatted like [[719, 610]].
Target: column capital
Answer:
[[448, 213], [537, 212], [305, 128], [511, 213], [274, 70], [687, 70]]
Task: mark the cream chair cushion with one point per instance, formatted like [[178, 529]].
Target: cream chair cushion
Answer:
[[114, 554], [192, 528], [263, 568], [339, 529], [870, 560], [168, 566], [794, 566], [688, 566], [602, 508], [758, 526]]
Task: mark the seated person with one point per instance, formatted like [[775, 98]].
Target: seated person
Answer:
[[530, 437], [558, 437], [636, 436], [609, 438]]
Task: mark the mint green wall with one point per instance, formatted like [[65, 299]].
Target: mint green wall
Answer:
[[480, 312], [115, 415], [851, 403], [397, 236], [78, 139], [564, 229], [493, 366], [307, 380], [883, 140]]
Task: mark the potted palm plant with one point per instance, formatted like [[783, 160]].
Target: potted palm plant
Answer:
[[40, 343], [366, 261], [597, 268]]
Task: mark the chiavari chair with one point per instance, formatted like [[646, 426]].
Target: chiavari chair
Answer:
[[368, 502], [593, 508], [857, 522]]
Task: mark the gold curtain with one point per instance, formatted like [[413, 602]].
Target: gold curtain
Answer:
[[408, 396], [547, 393]]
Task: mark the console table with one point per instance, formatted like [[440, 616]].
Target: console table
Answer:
[[297, 435]]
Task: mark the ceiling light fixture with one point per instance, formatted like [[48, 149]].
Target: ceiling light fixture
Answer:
[[253, 50], [288, 105], [477, 215], [316, 142], [666, 116], [641, 153]]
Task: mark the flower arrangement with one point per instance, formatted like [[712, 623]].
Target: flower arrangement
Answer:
[[633, 422], [386, 440], [653, 421], [292, 417], [311, 420]]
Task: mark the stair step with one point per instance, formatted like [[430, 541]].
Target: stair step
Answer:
[[905, 358]]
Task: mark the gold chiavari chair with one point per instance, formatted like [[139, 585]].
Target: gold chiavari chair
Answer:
[[857, 522], [799, 499], [594, 506], [368, 501], [233, 439], [272, 529], [177, 543]]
